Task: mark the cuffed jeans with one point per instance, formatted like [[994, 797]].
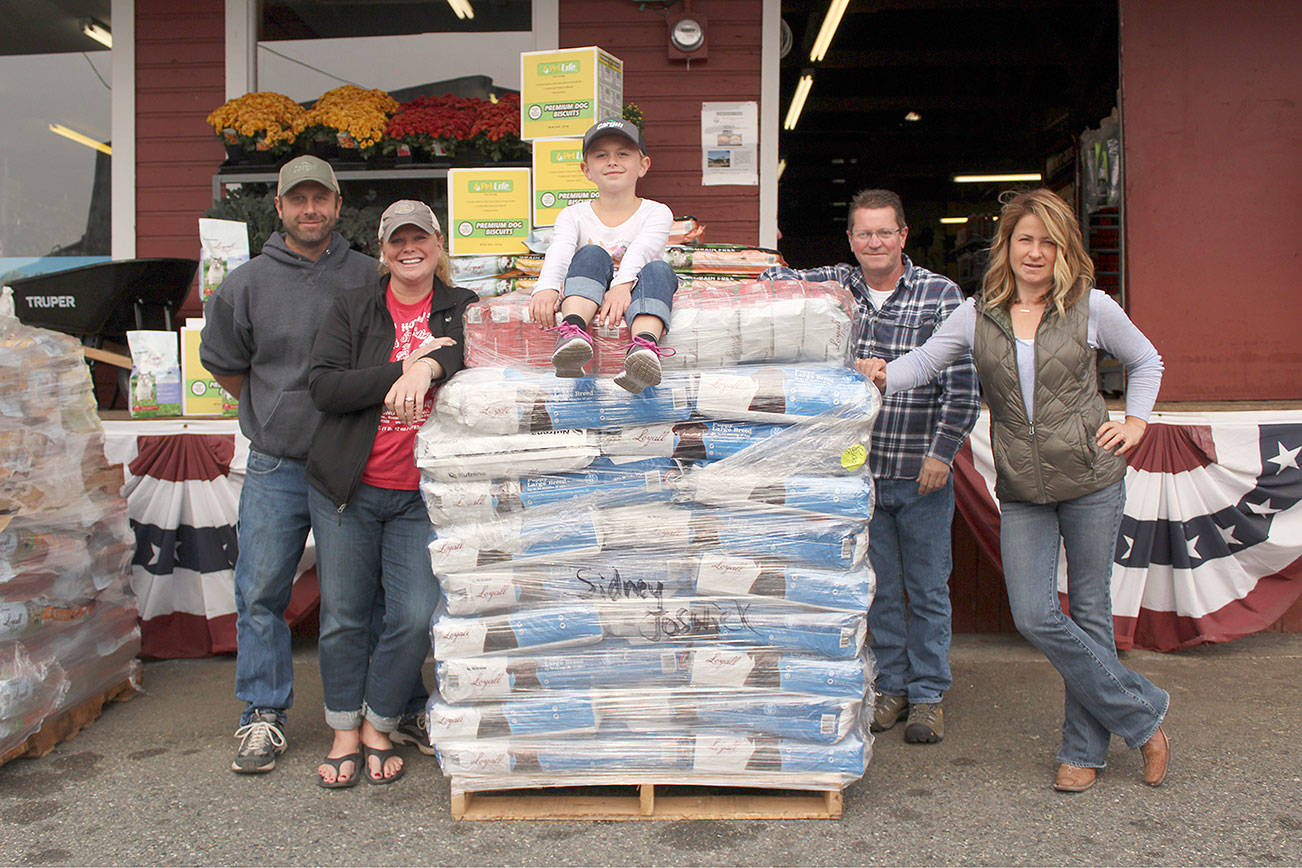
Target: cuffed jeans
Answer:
[[273, 527], [1103, 697], [376, 545], [908, 545], [591, 271]]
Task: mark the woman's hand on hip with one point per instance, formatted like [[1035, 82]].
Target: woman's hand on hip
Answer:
[[407, 395], [1121, 437]]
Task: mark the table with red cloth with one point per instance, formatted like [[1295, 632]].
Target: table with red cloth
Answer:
[[1210, 547], [182, 484]]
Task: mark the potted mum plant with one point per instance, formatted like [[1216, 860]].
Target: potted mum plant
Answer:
[[347, 122], [257, 127]]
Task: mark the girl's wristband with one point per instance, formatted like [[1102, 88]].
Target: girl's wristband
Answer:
[[429, 363]]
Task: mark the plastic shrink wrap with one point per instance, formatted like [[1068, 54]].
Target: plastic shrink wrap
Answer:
[[68, 627], [715, 322], [669, 587]]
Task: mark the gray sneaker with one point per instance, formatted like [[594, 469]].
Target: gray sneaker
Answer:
[[411, 730], [888, 712], [262, 739], [926, 723]]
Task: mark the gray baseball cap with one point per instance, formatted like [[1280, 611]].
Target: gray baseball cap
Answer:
[[306, 168], [407, 212], [614, 127]]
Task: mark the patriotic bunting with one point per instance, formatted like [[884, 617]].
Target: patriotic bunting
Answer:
[[1210, 547]]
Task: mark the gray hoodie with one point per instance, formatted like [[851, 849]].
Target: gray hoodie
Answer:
[[261, 323]]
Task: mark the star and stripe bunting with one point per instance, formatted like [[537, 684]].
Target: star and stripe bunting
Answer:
[[1210, 546], [182, 488]]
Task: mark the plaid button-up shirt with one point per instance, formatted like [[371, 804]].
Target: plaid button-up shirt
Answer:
[[931, 420]]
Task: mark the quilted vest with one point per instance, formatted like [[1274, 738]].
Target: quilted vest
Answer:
[[1057, 457]]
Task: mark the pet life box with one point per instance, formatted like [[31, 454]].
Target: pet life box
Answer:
[[562, 93], [557, 179], [200, 393]]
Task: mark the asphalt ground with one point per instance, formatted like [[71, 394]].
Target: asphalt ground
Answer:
[[149, 784]]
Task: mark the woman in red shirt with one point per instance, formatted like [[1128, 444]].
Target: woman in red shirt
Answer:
[[374, 365]]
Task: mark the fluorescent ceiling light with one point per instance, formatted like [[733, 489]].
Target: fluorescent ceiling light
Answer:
[[828, 30], [97, 32], [462, 8], [61, 130], [798, 101], [782, 167], [1007, 177], [948, 221]]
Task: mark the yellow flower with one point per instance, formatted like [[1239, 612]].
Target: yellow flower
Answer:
[[271, 116]]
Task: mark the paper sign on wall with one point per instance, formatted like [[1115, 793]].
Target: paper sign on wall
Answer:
[[562, 93], [488, 211], [557, 179], [729, 143]]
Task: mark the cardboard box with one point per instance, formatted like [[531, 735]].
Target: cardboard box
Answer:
[[200, 393], [564, 92], [488, 211], [557, 179]]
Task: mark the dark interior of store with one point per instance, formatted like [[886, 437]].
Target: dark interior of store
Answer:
[[911, 93]]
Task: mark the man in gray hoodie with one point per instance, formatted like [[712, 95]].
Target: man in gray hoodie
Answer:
[[257, 337]]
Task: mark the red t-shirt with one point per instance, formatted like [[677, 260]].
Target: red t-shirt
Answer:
[[392, 463]]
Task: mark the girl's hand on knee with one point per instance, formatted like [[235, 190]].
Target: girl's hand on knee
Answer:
[[543, 306], [615, 303]]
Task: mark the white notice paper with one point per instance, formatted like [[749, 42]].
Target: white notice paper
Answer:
[[729, 143]]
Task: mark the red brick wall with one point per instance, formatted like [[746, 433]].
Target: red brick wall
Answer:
[[1210, 93], [670, 96], [180, 78]]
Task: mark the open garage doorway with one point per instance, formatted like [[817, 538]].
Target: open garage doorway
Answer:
[[912, 93]]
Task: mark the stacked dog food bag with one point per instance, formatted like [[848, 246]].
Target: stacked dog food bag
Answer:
[[668, 587], [67, 619]]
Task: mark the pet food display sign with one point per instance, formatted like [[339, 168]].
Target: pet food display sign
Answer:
[[488, 211]]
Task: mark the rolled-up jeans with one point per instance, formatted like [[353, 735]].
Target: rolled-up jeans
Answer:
[[591, 271], [377, 542], [1103, 697]]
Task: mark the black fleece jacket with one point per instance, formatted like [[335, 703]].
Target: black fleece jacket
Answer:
[[351, 373]]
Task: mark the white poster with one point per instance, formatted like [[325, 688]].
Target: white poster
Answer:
[[729, 143]]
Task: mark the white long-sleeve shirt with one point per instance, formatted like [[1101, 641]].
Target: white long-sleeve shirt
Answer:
[[640, 239], [1108, 329]]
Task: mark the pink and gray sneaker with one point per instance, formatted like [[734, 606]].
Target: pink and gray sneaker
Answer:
[[573, 350], [641, 365]]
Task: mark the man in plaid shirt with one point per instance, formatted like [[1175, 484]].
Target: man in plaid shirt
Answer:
[[913, 445]]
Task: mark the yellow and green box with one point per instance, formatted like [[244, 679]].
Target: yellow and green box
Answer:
[[564, 92], [488, 211], [557, 179], [200, 393]]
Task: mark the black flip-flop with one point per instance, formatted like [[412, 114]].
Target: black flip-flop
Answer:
[[335, 762], [383, 756]]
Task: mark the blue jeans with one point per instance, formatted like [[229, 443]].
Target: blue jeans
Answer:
[[908, 545], [376, 546], [1103, 697], [591, 271], [273, 526]]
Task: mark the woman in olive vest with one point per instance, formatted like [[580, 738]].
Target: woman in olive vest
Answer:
[[1060, 477]]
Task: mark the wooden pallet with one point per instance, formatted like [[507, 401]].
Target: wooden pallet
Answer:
[[646, 802], [65, 725]]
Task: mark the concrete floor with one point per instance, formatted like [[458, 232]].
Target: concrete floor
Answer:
[[149, 783]]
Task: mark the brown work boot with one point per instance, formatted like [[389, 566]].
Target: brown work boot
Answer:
[[926, 723], [1156, 752], [1074, 779], [888, 712]]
